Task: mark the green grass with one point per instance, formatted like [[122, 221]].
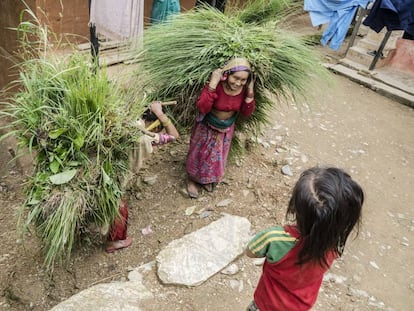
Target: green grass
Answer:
[[178, 57], [78, 125]]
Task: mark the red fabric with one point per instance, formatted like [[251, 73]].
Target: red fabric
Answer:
[[120, 225], [223, 102], [286, 286], [207, 154]]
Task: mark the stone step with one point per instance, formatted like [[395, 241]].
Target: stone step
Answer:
[[364, 78], [353, 65], [360, 55], [394, 78], [370, 45], [377, 37]]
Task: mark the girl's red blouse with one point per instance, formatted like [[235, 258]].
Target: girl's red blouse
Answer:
[[221, 101]]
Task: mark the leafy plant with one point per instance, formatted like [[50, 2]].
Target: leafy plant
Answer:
[[78, 124], [178, 57]]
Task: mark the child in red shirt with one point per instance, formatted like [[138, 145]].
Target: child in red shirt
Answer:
[[326, 205]]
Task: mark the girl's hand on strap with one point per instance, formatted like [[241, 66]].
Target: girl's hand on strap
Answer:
[[250, 92], [215, 78]]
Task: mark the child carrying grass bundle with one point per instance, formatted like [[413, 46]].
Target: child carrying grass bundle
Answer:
[[178, 57], [79, 126], [228, 93]]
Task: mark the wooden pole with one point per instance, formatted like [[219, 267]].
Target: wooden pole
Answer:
[[94, 42]]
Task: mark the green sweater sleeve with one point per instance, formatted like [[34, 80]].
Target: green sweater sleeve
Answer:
[[272, 243]]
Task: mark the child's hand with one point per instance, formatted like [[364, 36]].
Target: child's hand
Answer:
[[250, 92], [250, 89], [156, 108]]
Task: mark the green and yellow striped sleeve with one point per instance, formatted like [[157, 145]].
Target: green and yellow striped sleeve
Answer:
[[272, 243]]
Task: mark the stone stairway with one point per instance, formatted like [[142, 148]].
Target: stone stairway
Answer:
[[364, 50], [393, 75]]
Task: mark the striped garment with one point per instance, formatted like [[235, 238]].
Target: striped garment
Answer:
[[272, 243], [284, 284]]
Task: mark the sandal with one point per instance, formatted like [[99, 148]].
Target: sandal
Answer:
[[192, 189], [113, 246]]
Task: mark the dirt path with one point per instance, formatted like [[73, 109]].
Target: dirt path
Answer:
[[371, 137], [348, 126]]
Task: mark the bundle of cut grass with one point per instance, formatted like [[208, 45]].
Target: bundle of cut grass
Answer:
[[74, 122], [178, 56]]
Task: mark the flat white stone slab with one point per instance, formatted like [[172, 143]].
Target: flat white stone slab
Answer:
[[120, 296], [199, 255]]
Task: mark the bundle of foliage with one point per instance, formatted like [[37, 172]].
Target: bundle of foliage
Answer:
[[178, 56], [76, 123]]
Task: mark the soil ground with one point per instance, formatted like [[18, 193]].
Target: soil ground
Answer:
[[344, 125]]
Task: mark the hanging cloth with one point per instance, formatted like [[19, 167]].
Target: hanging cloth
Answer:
[[162, 9], [337, 13], [118, 19], [393, 14]]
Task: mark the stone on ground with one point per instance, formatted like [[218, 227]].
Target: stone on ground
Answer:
[[107, 297], [199, 255]]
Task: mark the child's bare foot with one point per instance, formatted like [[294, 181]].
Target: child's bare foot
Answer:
[[209, 187], [192, 189], [113, 246]]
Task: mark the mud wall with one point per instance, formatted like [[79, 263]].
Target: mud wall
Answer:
[[66, 17], [9, 18]]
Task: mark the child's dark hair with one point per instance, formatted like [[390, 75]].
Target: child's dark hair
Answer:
[[326, 204], [148, 115]]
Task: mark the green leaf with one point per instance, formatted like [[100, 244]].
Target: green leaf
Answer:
[[74, 163], [56, 133], [79, 141], [107, 180], [64, 177], [33, 201], [54, 166]]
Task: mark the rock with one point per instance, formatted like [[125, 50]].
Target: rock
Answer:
[[373, 264], [205, 214], [339, 279], [265, 144], [224, 203], [107, 297], [150, 180], [359, 293], [190, 210], [250, 184], [134, 276], [236, 285], [231, 269], [304, 158], [287, 171], [199, 255], [259, 261]]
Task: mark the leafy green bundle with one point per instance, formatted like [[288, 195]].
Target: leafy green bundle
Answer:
[[179, 56], [74, 121]]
